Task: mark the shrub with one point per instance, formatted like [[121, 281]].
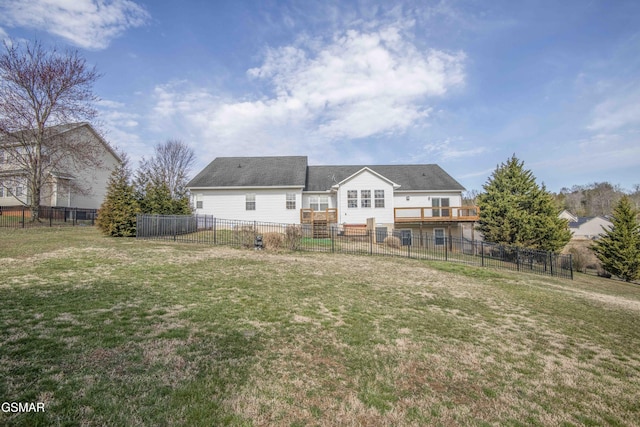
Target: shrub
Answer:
[[245, 236], [293, 237], [392, 242], [579, 257], [273, 241]]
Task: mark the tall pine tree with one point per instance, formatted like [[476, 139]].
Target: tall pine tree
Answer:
[[514, 210], [619, 248], [117, 215]]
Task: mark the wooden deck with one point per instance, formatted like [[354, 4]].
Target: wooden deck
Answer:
[[309, 216], [437, 214]]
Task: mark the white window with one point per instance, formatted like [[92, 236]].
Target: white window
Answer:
[[365, 198], [250, 202], [198, 204], [319, 203], [438, 235], [379, 200], [18, 191], [440, 202], [1, 190], [291, 200], [352, 198]]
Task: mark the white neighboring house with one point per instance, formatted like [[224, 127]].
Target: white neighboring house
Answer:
[[411, 198], [585, 227], [58, 190]]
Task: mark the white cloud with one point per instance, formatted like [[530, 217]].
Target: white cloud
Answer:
[[90, 24], [616, 113], [356, 85], [443, 150]]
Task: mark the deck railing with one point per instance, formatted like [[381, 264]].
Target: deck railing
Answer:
[[309, 216], [437, 214]]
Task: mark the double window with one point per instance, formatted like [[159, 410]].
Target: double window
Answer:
[[440, 206], [319, 203]]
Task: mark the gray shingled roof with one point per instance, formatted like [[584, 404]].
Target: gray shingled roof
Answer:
[[253, 172], [293, 171], [409, 177]]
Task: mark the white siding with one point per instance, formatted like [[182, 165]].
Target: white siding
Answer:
[[271, 204], [365, 180]]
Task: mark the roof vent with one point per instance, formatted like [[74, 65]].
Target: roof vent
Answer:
[[239, 165]]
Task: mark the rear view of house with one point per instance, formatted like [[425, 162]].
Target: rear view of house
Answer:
[[408, 199]]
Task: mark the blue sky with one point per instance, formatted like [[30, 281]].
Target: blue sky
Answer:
[[464, 84]]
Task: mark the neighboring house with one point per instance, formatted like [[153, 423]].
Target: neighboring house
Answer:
[[585, 227], [67, 184], [412, 199]]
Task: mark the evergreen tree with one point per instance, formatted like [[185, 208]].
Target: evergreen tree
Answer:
[[117, 215], [155, 198], [514, 210], [619, 248]]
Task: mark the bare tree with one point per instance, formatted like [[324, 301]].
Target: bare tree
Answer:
[[170, 165], [41, 92]]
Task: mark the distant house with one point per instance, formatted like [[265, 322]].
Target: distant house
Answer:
[[67, 184], [413, 199], [585, 227]]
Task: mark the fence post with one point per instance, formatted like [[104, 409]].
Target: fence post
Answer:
[[23, 217], [333, 238], [215, 237], [370, 242], [517, 258], [482, 251], [446, 249], [571, 264]]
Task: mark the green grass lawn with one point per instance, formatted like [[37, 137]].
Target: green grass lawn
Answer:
[[122, 332]]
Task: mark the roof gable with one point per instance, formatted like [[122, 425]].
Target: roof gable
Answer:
[[364, 170], [428, 177]]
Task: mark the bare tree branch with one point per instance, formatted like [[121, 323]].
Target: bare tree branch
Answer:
[[40, 91]]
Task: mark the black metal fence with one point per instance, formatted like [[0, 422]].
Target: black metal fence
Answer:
[[336, 238], [48, 216]]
